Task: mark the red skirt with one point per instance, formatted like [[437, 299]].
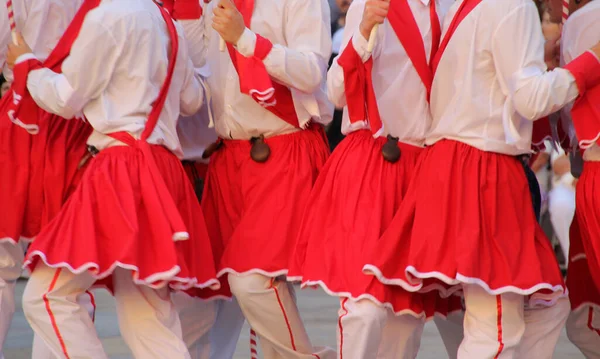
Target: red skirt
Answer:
[[253, 210], [588, 216], [113, 219], [44, 169], [580, 281], [467, 218], [352, 203]]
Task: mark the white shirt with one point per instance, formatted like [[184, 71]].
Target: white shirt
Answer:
[[491, 82], [301, 33], [580, 33], [401, 94], [114, 73], [41, 22]]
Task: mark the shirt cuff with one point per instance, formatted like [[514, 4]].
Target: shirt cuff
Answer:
[[25, 57], [246, 43], [361, 45]]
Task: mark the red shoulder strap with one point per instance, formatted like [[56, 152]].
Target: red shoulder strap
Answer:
[[162, 96], [63, 47], [405, 26], [465, 9]]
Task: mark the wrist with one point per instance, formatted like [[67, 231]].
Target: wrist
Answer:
[[365, 30]]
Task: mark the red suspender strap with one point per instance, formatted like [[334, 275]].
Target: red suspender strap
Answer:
[[154, 177], [465, 9]]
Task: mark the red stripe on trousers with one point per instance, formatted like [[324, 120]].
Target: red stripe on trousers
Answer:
[[93, 301], [499, 324], [52, 319], [590, 320], [341, 327], [287, 322]]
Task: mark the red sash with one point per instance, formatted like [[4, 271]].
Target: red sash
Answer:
[[465, 9], [358, 79], [254, 78], [19, 110], [153, 175]]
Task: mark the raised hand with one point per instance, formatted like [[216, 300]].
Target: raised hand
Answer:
[[228, 21], [14, 51], [375, 13]]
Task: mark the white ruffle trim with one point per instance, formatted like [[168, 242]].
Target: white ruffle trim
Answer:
[[155, 281]]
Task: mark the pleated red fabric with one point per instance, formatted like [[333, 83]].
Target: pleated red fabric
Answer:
[[110, 221], [467, 217], [588, 216], [253, 210], [580, 282]]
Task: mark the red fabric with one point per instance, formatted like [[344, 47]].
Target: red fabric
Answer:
[[113, 219], [130, 206], [185, 9], [358, 78], [465, 9], [200, 168], [253, 210], [255, 81], [42, 167], [586, 70], [580, 281], [468, 218], [347, 214], [586, 116], [587, 215], [358, 84]]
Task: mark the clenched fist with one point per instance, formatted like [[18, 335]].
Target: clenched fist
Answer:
[[375, 13], [228, 21], [14, 51]]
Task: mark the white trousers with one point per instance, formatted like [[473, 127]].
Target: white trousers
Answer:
[[269, 305], [451, 330], [211, 329], [11, 261], [499, 327], [365, 328], [583, 329], [562, 211], [494, 325], [543, 327], [148, 321]]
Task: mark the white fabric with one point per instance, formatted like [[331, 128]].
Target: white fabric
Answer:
[[11, 260], [585, 336], [494, 325], [148, 321], [301, 34], [122, 48], [211, 329], [364, 328], [562, 210], [492, 82], [543, 327], [40, 350], [451, 330], [225, 333], [41, 22], [401, 95], [195, 135], [269, 305]]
